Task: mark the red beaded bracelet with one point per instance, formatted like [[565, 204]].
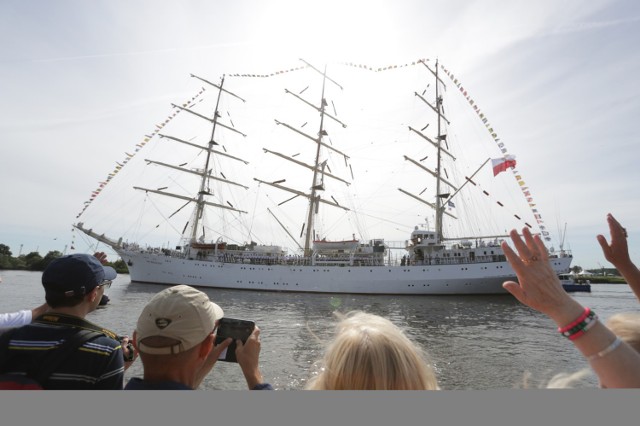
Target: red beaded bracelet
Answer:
[[581, 318], [580, 326], [588, 322]]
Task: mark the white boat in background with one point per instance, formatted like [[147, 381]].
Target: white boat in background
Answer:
[[432, 264], [572, 285]]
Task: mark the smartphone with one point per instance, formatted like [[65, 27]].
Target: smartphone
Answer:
[[236, 329]]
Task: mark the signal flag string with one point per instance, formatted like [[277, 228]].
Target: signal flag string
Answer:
[[525, 190]]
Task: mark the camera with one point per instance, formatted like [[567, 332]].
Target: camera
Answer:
[[129, 346], [236, 329]]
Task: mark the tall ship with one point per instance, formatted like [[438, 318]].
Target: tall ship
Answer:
[[429, 261]]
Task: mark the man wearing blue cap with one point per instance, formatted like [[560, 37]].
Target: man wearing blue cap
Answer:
[[74, 285]]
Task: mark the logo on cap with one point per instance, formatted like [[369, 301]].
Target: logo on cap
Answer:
[[162, 323]]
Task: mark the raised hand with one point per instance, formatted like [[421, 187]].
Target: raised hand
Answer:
[[248, 355], [616, 363], [538, 285], [101, 256], [212, 353], [617, 252]]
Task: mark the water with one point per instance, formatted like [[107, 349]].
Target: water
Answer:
[[475, 342]]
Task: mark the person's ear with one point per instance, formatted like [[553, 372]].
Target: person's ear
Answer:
[[93, 294], [206, 347], [134, 341]]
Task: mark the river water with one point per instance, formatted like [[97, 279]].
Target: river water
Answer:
[[475, 342]]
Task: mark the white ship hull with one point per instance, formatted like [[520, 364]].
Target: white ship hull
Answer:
[[475, 278]]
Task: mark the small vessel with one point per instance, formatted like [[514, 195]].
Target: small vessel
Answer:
[[434, 260], [571, 284]]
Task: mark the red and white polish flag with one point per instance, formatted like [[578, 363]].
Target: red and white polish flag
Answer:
[[502, 164]]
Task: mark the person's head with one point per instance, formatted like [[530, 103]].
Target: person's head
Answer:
[[177, 324], [73, 279], [626, 325], [369, 352]]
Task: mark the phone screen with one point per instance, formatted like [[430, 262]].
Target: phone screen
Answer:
[[236, 329]]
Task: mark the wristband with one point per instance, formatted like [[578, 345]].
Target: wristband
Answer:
[[580, 326], [612, 347], [581, 318]]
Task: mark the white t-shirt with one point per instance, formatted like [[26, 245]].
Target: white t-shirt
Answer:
[[15, 319]]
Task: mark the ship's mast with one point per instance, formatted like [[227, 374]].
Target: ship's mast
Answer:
[[204, 174], [318, 167], [439, 208], [313, 201], [445, 190], [203, 183], [441, 182]]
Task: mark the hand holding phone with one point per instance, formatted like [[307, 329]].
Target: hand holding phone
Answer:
[[236, 329]]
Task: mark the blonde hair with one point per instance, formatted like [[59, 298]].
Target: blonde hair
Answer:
[[370, 353], [559, 381], [626, 325]]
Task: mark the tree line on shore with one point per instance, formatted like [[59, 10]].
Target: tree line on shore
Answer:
[[598, 276], [35, 262]]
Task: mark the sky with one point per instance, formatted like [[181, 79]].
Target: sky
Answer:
[[81, 83]]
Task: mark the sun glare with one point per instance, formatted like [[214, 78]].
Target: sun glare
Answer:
[[327, 31]]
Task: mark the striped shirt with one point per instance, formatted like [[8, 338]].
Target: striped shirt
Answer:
[[96, 364]]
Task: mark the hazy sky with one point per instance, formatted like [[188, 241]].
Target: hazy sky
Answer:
[[81, 82]]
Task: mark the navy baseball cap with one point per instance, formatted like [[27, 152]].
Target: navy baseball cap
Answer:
[[75, 275]]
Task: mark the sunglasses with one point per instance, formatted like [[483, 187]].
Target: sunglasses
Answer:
[[105, 284]]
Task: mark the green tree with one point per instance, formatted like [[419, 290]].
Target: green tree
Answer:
[[18, 263], [4, 250], [42, 265], [120, 266], [576, 269], [32, 260], [5, 257]]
